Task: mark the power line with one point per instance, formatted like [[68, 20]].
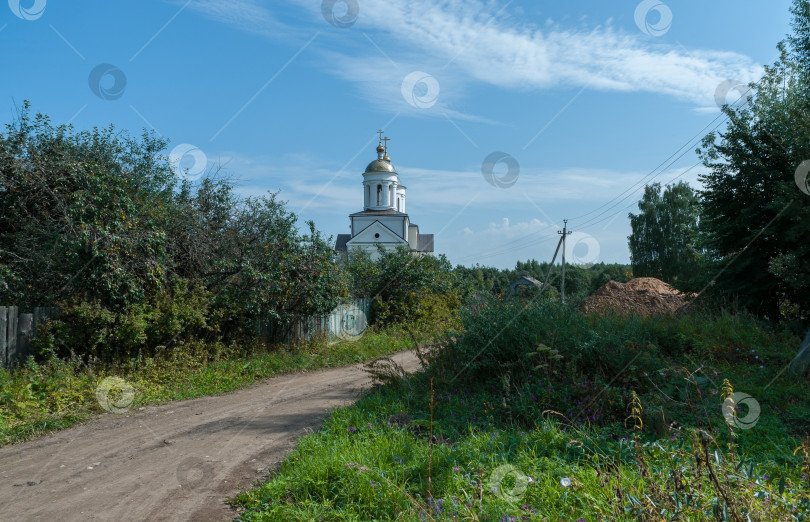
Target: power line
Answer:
[[687, 144], [723, 116], [592, 223], [594, 220]]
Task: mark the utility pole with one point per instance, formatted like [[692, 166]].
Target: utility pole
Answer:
[[550, 266], [564, 233]]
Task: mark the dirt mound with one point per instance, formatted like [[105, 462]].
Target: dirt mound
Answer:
[[642, 296]]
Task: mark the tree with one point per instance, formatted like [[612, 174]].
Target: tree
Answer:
[[99, 224], [665, 232], [401, 284], [753, 213], [81, 213]]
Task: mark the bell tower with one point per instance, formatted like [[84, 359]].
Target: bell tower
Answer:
[[383, 220]]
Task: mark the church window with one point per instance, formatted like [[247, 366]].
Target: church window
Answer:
[[379, 195]]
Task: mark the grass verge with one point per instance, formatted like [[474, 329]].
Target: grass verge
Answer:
[[56, 394], [566, 417]]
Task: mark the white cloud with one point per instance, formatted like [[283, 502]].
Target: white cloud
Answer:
[[460, 42], [486, 45], [244, 15]]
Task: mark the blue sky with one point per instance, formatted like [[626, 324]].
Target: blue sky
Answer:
[[587, 97]]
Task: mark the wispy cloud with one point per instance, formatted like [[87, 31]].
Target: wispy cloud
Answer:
[[503, 51], [244, 15], [469, 41]]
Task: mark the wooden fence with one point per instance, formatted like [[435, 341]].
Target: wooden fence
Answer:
[[347, 321], [16, 331]]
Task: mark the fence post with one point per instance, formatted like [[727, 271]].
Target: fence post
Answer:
[[25, 328], [3, 337], [11, 336]]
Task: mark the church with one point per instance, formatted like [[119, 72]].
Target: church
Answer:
[[383, 220]]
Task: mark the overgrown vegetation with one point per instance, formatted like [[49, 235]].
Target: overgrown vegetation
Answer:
[[754, 199], [99, 224], [542, 413]]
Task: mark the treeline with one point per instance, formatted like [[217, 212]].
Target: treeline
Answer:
[[580, 281], [744, 238]]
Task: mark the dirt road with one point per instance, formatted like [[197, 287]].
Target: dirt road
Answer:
[[178, 461]]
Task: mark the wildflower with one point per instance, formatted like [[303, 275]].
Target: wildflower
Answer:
[[456, 469], [565, 482], [438, 505], [352, 429], [766, 477], [530, 480], [804, 475]]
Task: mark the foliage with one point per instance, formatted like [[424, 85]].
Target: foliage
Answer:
[[137, 258], [86, 207], [541, 430], [579, 280], [404, 287], [753, 213], [663, 243]]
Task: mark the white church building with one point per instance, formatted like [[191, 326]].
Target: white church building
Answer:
[[383, 220]]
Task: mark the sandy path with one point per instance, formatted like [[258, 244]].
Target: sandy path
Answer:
[[178, 461]]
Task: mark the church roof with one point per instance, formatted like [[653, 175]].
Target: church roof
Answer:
[[342, 239], [424, 243], [380, 165]]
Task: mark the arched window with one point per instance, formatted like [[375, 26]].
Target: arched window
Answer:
[[379, 195], [390, 195]]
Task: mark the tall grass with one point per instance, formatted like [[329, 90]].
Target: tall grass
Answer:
[[545, 414]]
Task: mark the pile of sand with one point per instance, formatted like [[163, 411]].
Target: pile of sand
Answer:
[[642, 296]]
